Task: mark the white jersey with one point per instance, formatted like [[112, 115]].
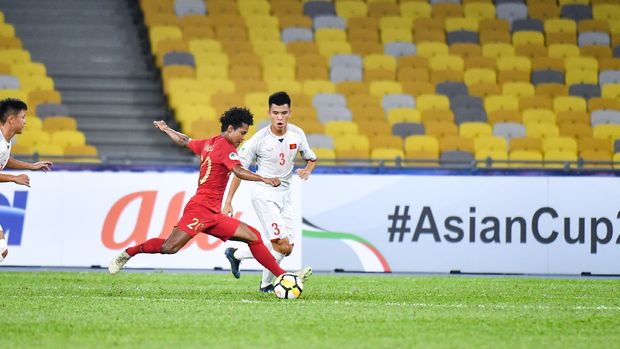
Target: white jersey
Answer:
[[5, 151], [275, 155]]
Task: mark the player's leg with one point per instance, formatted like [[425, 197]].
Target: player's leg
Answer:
[[267, 211], [252, 237], [4, 247], [177, 239], [280, 249]]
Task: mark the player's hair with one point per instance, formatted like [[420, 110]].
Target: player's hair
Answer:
[[279, 98], [10, 106], [236, 117]]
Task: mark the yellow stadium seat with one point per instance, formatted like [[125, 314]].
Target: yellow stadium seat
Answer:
[[381, 88], [22, 150], [57, 123], [159, 33], [541, 131], [479, 10], [535, 102], [68, 137], [581, 63], [10, 42], [560, 25], [581, 77], [47, 149], [349, 9], [456, 143], [324, 154], [611, 91], [432, 102], [396, 35], [396, 115], [387, 154], [331, 48], [14, 56], [186, 114], [28, 69], [518, 89], [566, 103], [497, 50], [440, 129], [352, 146], [457, 23], [422, 147], [609, 12], [380, 62], [526, 143], [432, 49], [538, 116], [514, 63], [447, 10], [212, 86], [446, 62], [252, 8], [607, 131], [19, 94], [498, 116], [290, 86], [490, 143], [528, 38], [493, 157], [493, 103], [474, 130], [525, 158], [81, 153], [266, 47], [415, 9], [475, 76], [395, 22], [339, 127], [313, 87], [560, 158], [563, 51], [7, 30], [577, 131], [560, 143], [209, 72], [198, 46], [36, 83]]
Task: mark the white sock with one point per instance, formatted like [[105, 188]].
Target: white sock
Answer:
[[267, 275], [243, 253]]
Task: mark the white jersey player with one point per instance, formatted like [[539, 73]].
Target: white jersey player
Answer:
[[274, 149], [12, 122]]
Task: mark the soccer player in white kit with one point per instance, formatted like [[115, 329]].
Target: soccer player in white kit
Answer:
[[12, 122], [274, 149]]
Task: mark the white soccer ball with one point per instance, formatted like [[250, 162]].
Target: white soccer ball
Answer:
[[288, 286]]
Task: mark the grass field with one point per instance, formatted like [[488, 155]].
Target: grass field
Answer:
[[165, 310]]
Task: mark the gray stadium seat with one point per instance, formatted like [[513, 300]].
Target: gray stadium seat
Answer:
[[319, 8], [511, 11], [498, 2], [527, 24], [547, 76], [508, 130], [451, 89], [336, 22], [9, 82], [616, 51], [465, 101], [469, 114], [345, 73], [609, 77], [329, 100], [189, 7], [297, 34], [576, 12], [617, 146], [404, 129], [395, 100], [326, 114], [316, 140], [179, 58], [461, 36], [593, 38], [346, 60], [586, 91], [603, 116], [51, 109], [456, 158], [398, 49]]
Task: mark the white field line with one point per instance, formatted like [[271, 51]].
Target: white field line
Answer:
[[612, 308]]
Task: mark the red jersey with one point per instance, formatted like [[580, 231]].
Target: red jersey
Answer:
[[217, 158]]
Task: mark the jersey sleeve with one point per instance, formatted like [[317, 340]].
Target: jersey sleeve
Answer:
[[247, 152], [306, 152], [229, 157], [196, 145]]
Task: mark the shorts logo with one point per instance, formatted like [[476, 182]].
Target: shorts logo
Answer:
[[233, 156]]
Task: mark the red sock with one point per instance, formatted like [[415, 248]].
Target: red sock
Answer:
[[263, 256], [149, 246]]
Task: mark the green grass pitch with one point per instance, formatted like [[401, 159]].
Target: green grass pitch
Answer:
[[169, 310]]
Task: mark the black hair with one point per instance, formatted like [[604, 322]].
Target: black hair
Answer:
[[236, 117], [279, 98], [10, 106]]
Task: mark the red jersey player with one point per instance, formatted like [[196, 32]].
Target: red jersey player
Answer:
[[218, 157]]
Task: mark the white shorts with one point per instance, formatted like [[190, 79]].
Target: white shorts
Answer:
[[274, 209]]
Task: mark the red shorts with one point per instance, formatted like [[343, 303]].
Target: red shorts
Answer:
[[197, 219]]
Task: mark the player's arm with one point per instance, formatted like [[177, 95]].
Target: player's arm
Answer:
[[246, 175], [177, 137], [234, 185], [21, 165], [21, 179], [305, 172]]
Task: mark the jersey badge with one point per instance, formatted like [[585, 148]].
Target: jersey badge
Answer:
[[233, 156], [292, 146]]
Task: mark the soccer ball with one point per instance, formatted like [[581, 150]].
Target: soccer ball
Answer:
[[288, 286]]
